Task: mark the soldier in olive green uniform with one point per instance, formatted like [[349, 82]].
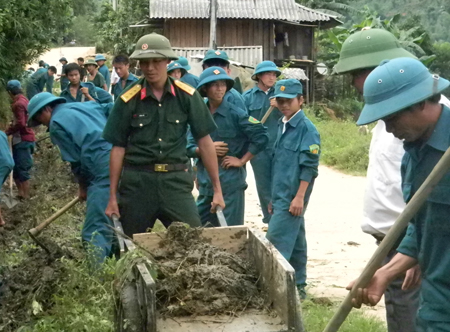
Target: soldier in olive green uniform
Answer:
[[148, 127]]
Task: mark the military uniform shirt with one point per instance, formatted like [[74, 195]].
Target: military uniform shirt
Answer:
[[428, 233], [76, 128], [70, 99], [296, 158], [242, 133], [154, 131], [190, 79], [106, 75], [118, 86], [234, 97], [6, 159], [98, 81], [258, 102]]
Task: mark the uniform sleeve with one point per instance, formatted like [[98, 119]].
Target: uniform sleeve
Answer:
[[255, 131], [118, 126], [309, 156], [49, 84], [237, 100], [199, 117], [408, 246], [60, 137], [191, 145]]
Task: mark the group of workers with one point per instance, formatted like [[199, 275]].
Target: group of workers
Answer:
[[131, 157]]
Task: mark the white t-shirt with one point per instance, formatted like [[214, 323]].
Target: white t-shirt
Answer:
[[383, 199]]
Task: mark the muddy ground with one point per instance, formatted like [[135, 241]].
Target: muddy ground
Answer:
[[27, 273]]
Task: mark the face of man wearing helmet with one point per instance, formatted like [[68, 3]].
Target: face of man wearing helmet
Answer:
[[359, 77], [267, 79], [100, 62], [155, 70], [176, 74], [215, 91]]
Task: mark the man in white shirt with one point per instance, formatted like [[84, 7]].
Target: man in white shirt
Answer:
[[361, 53]]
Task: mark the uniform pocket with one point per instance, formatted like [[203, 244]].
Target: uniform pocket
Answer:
[[291, 146], [177, 118], [140, 120]]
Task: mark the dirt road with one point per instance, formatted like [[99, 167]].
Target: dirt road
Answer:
[[337, 248]]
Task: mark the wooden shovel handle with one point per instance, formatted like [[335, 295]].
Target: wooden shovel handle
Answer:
[[269, 111], [38, 229], [416, 202]]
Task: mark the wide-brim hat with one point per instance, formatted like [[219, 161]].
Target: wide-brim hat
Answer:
[[396, 85], [91, 62], [100, 57], [153, 46], [265, 67], [213, 74], [63, 59], [216, 54], [13, 84], [288, 88], [184, 63], [174, 65], [367, 48], [38, 102]]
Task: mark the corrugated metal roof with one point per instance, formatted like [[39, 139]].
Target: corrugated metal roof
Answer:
[[246, 55], [286, 10]]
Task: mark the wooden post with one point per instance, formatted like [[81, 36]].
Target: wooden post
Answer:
[[212, 29]]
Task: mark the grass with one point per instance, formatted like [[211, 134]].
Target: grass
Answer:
[[343, 147], [316, 317]]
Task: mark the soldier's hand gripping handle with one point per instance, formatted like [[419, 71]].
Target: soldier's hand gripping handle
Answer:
[[112, 209]]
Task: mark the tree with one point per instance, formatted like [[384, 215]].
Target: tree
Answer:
[[27, 29]]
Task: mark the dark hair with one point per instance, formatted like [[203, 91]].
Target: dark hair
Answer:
[[215, 63], [121, 58], [31, 68], [434, 99], [71, 67], [15, 90], [80, 59], [53, 69]]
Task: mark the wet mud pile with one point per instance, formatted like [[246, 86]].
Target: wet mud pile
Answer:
[[196, 278]]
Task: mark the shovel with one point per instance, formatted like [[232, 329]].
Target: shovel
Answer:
[[10, 201], [269, 111], [34, 232], [416, 202]]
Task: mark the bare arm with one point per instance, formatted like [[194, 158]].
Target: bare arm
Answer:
[[115, 169], [207, 152]]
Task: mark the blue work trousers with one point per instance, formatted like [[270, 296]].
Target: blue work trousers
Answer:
[[23, 160], [287, 233], [262, 168], [233, 212], [95, 229]]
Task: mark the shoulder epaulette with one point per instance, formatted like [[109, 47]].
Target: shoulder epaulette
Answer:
[[126, 96], [185, 87]]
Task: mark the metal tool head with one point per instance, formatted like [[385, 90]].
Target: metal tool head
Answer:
[[221, 217]]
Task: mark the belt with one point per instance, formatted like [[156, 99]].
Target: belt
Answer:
[[163, 168]]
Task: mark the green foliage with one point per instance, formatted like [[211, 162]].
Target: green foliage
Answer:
[[316, 317], [27, 29], [82, 31], [343, 147], [441, 65], [434, 14], [83, 300], [114, 32]]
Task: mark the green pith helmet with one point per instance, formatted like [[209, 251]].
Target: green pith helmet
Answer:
[[367, 48], [153, 46]]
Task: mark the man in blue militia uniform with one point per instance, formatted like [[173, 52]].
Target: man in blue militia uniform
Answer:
[[403, 94], [295, 167], [103, 69], [244, 137], [257, 101], [77, 89], [76, 128], [186, 76], [216, 58], [40, 79], [64, 81], [6, 164], [121, 64]]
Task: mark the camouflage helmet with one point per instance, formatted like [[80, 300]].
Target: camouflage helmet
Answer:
[[367, 48], [153, 46]]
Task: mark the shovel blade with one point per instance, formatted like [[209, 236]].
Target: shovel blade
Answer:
[[10, 202]]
